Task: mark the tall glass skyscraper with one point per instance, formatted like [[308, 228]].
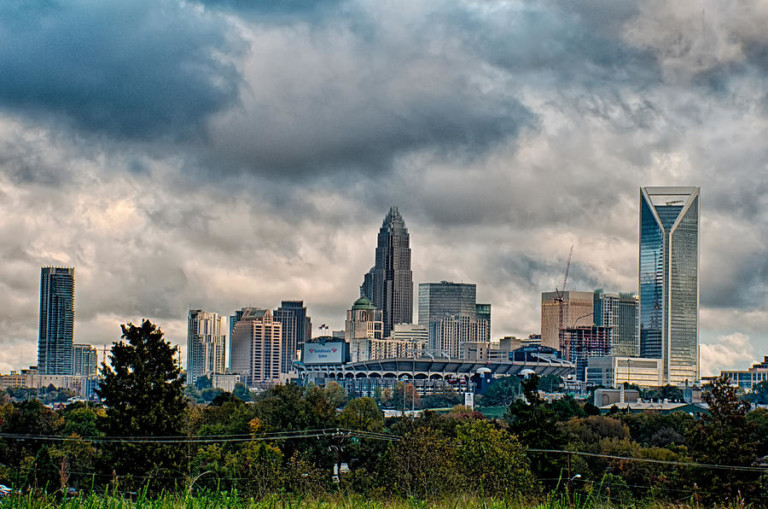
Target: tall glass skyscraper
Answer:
[[389, 283], [669, 280], [57, 320]]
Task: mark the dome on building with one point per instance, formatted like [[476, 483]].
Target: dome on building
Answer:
[[363, 303]]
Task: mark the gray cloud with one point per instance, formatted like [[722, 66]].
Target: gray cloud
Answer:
[[129, 69], [249, 155]]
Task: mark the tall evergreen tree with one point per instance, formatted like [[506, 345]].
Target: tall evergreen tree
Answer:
[[142, 390]]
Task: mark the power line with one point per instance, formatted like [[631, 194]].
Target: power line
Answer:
[[180, 439], [740, 468]]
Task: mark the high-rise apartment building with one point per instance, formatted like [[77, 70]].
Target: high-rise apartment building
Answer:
[[363, 324], [567, 310], [256, 346], [297, 329], [85, 360], [389, 283], [448, 334], [619, 312], [206, 344], [669, 280], [453, 317], [57, 320]]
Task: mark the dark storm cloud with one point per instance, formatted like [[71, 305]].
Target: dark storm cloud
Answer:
[[140, 69]]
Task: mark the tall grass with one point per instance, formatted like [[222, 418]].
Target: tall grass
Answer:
[[215, 500]]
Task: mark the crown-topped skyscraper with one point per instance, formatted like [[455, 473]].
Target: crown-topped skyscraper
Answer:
[[389, 283]]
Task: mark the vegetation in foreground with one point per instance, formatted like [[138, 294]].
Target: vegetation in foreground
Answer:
[[283, 501], [259, 453]]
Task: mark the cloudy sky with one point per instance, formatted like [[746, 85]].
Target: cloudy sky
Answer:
[[224, 153]]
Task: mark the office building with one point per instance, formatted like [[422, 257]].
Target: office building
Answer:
[[564, 310], [669, 280], [451, 313], [445, 298], [297, 329], [256, 346], [85, 360], [364, 322], [619, 312], [484, 313], [206, 344], [579, 344], [57, 320], [389, 283], [616, 370], [410, 332], [750, 378]]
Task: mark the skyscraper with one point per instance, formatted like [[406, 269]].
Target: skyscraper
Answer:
[[57, 320], [206, 344], [452, 315], [669, 280], [256, 349], [297, 329], [389, 283]]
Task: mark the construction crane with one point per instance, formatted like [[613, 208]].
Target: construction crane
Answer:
[[559, 296]]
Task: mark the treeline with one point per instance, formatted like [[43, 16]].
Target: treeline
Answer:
[[293, 440]]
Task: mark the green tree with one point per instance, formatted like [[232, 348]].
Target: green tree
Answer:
[[535, 424], [242, 392], [502, 391], [142, 391], [362, 414], [724, 436], [759, 394], [423, 465], [336, 394], [493, 462]]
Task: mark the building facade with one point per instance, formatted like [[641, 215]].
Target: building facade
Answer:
[[613, 371], [206, 344], [448, 334], [579, 344], [750, 378], [619, 311], [256, 347], [85, 360], [57, 320], [364, 323], [567, 309], [453, 316], [297, 329], [669, 280], [389, 283]]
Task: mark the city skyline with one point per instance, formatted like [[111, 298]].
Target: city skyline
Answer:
[[248, 157]]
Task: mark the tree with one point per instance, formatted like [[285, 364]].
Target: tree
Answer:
[[362, 414], [759, 394], [725, 437], [493, 461], [142, 391], [242, 392], [502, 391]]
